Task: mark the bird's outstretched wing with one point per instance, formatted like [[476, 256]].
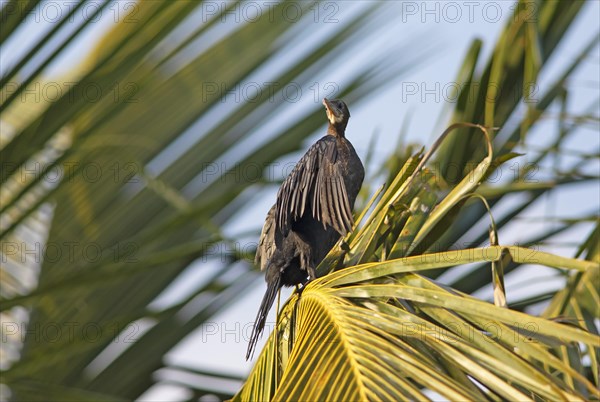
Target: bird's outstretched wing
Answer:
[[315, 183], [266, 244]]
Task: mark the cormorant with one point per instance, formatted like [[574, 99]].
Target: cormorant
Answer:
[[313, 209]]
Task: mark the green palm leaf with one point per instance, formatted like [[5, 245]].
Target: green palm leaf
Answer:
[[380, 331]]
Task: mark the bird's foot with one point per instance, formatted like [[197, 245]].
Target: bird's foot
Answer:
[[300, 289], [344, 246]]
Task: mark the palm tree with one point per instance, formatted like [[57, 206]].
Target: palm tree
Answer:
[[113, 186]]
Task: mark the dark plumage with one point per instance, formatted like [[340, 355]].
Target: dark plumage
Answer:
[[313, 209]]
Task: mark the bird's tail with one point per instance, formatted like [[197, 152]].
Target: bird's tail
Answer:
[[263, 311]]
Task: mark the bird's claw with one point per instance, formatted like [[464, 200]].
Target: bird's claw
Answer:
[[344, 246]]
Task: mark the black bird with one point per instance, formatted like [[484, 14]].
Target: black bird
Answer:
[[313, 209]]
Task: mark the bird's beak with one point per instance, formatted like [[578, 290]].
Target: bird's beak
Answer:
[[332, 112]]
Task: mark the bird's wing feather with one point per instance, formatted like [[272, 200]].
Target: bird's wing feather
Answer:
[[266, 244], [331, 196], [316, 182]]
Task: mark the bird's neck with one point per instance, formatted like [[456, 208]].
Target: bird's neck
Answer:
[[335, 130]]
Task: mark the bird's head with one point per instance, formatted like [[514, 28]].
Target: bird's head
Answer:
[[337, 114]]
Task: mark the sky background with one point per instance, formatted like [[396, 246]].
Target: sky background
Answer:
[[419, 98]]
